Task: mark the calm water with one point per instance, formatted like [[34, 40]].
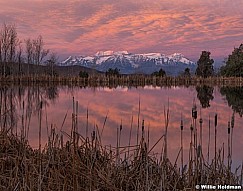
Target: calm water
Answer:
[[121, 104]]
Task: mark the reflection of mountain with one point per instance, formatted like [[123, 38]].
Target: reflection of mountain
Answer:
[[234, 97], [205, 94]]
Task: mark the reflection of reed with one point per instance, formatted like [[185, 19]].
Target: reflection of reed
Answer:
[[83, 163], [101, 80]]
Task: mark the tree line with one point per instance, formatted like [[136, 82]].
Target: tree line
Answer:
[[233, 65], [15, 50], [205, 66]]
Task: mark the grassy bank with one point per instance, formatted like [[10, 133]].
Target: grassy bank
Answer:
[[84, 163], [123, 80]]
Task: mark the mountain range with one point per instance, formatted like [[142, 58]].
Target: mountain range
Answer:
[[129, 63]]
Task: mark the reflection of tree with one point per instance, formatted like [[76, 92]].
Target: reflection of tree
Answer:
[[234, 97], [51, 93], [21, 102], [204, 94], [8, 116]]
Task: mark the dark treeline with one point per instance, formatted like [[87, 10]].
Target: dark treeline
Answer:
[[17, 51]]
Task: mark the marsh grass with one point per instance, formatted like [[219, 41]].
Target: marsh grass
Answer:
[[83, 163], [101, 80]]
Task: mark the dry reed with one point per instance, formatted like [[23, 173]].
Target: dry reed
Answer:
[[83, 163]]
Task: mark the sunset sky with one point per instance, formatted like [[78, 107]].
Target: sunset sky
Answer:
[[83, 27]]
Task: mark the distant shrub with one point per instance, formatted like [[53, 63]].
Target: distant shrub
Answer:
[[160, 73], [83, 74], [112, 72], [187, 72]]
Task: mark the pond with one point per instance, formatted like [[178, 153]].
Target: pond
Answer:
[[122, 108]]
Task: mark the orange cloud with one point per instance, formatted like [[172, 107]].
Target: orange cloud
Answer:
[[84, 27]]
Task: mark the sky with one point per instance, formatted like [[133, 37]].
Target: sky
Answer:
[[83, 27]]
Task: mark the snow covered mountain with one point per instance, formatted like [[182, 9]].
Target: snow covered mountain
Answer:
[[129, 63]]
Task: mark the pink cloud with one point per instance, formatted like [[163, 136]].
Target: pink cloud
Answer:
[[84, 27]]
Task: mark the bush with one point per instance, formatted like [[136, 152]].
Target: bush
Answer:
[[160, 73], [83, 74]]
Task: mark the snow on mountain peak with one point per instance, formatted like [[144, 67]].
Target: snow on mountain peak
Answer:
[[132, 63]]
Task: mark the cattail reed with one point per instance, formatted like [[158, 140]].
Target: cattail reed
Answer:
[[209, 132], [40, 163], [229, 144], [200, 148], [142, 130], [191, 143], [182, 147], [194, 122], [215, 139], [89, 165], [232, 129], [138, 119], [130, 136], [87, 122]]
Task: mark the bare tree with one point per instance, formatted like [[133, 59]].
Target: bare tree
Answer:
[[35, 51], [13, 42], [39, 52], [19, 57], [53, 59], [29, 52], [4, 45], [8, 43]]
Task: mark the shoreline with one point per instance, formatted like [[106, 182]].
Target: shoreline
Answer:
[[122, 80]]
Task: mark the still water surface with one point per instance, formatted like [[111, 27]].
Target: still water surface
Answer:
[[121, 104]]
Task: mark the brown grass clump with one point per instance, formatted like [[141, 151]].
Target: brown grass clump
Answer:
[[83, 163]]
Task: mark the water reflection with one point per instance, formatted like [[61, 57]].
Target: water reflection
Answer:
[[20, 108], [234, 97], [205, 95]]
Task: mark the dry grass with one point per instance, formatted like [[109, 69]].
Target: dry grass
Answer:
[[83, 163], [98, 80]]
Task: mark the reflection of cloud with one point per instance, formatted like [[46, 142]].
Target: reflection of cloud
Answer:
[[83, 27], [120, 106]]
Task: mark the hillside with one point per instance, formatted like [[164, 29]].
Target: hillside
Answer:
[[26, 69]]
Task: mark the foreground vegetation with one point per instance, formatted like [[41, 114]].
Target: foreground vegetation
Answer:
[[77, 162]]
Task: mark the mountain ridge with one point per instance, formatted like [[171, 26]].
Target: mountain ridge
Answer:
[[129, 63]]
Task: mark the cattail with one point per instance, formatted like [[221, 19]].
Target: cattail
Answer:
[[191, 128], [201, 121], [229, 144], [199, 151], [209, 127], [232, 127], [143, 130], [228, 127], [181, 125], [233, 120], [194, 112], [215, 140], [143, 126], [182, 147], [93, 135], [216, 120]]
